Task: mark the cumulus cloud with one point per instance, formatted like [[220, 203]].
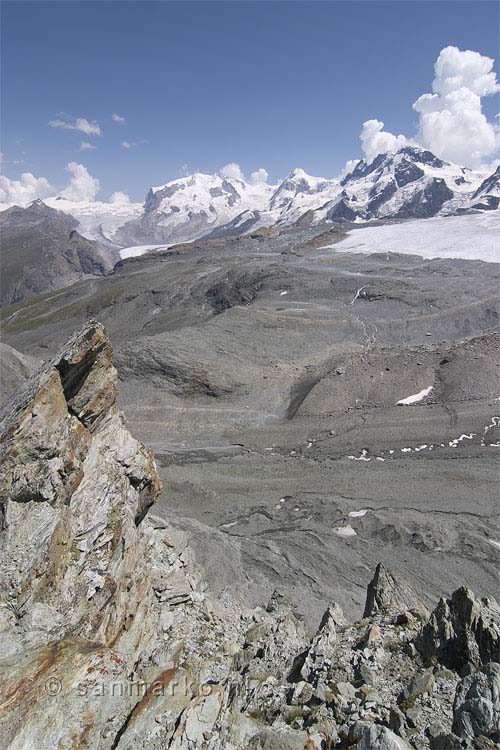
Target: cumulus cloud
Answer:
[[117, 118], [28, 188], [452, 124], [77, 123], [86, 146], [375, 140], [232, 171], [120, 198], [259, 177], [82, 186]]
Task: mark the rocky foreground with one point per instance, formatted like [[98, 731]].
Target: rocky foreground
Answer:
[[108, 639]]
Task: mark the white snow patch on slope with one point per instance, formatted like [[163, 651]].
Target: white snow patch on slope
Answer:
[[472, 237], [357, 513], [345, 531], [416, 397], [135, 250]]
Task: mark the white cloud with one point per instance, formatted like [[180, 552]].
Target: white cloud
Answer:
[[86, 146], [455, 69], [28, 188], [120, 198], [82, 186], [132, 144], [76, 123], [117, 118], [375, 140], [232, 171], [259, 177], [452, 124], [184, 170], [348, 167]]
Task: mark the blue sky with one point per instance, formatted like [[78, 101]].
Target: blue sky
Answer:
[[264, 84]]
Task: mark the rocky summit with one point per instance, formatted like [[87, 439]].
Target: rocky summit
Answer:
[[111, 640]]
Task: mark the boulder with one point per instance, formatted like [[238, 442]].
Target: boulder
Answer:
[[419, 685], [445, 741], [367, 736], [476, 710]]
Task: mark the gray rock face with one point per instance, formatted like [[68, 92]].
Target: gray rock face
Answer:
[[41, 251], [487, 196], [77, 604], [463, 632], [428, 201], [477, 704]]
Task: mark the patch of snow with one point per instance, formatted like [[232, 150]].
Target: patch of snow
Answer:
[[357, 513], [363, 457], [135, 250], [495, 421], [345, 531], [416, 397]]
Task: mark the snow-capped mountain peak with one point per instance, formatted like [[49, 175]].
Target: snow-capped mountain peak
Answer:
[[190, 207]]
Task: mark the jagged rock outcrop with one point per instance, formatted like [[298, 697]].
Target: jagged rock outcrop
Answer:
[[386, 595], [88, 584], [462, 633]]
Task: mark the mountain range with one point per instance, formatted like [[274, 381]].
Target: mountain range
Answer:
[[410, 183]]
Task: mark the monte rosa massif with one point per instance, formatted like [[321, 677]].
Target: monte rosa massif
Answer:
[[411, 183]]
